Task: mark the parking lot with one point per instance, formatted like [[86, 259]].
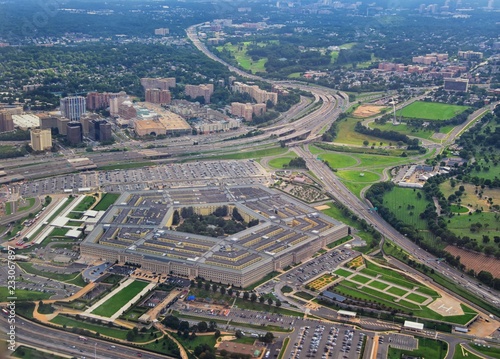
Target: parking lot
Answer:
[[301, 275], [327, 341], [34, 283], [170, 175]]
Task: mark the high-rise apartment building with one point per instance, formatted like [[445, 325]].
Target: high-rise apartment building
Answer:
[[73, 107], [204, 91], [74, 133], [101, 100], [6, 122], [162, 97], [247, 110], [41, 140], [162, 31], [470, 55], [259, 95], [158, 83]]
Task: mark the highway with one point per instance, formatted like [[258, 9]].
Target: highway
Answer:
[[334, 186], [67, 343]]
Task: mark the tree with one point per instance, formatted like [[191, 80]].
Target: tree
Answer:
[[253, 297], [267, 338], [202, 327], [130, 335], [246, 295], [238, 334], [171, 322], [222, 290], [262, 299], [217, 333], [270, 301], [278, 303]]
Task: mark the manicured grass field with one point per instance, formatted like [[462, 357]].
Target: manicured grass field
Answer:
[[358, 176], [279, 162], [416, 298], [85, 204], [23, 294], [396, 291], [360, 279], [378, 285], [427, 348], [335, 159], [342, 272], [406, 205], [106, 201], [431, 110], [115, 303]]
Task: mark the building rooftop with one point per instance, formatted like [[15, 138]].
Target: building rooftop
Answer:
[[140, 223]]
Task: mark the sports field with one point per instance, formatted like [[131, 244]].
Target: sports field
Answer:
[[116, 302], [431, 110]]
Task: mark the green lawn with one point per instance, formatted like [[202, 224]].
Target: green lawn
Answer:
[[193, 343], [286, 289], [409, 131], [427, 348], [101, 329], [30, 353], [304, 295], [69, 278], [396, 291], [416, 298], [106, 201], [85, 204], [342, 272], [358, 176], [493, 352], [431, 110], [458, 209], [30, 202], [462, 353], [406, 205], [279, 162], [239, 52], [23, 294], [360, 279], [378, 285], [115, 303], [335, 159]]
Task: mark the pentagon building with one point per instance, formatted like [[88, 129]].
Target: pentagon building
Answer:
[[137, 229]]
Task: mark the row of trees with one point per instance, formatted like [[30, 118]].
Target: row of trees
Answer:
[[219, 288]]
